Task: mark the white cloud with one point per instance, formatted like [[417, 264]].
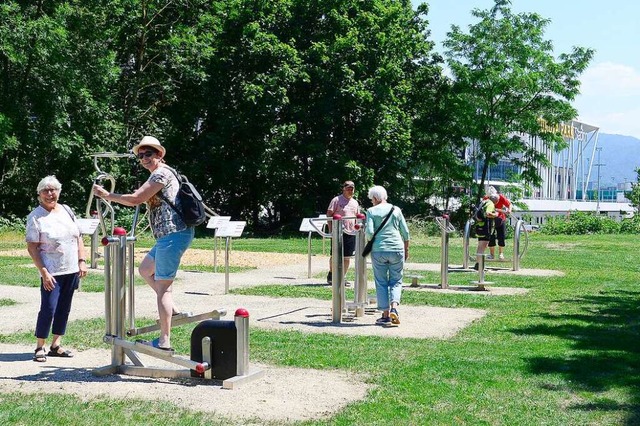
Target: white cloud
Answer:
[[621, 122], [610, 79], [609, 98]]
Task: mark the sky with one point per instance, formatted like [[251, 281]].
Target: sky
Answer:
[[610, 89]]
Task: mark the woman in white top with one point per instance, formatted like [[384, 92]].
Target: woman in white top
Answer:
[[55, 245]]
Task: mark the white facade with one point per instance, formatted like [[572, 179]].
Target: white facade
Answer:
[[566, 180]]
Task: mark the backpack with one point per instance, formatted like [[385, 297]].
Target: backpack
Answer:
[[192, 210], [479, 213]]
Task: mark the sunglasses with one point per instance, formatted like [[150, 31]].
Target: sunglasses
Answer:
[[144, 154]]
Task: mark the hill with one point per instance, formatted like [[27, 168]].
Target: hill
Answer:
[[620, 156]]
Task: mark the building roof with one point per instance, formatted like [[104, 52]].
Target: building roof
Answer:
[[571, 205]]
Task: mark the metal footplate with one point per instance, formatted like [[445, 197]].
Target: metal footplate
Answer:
[[180, 319], [139, 369]]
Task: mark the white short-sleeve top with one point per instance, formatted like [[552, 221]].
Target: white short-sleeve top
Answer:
[[57, 235]]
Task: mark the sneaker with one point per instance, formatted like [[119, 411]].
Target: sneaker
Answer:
[[395, 316], [383, 321], [490, 257], [347, 283], [475, 266], [501, 257], [329, 278]]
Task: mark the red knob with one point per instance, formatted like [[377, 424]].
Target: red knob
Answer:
[[242, 312], [337, 217], [361, 215], [119, 231], [105, 241]]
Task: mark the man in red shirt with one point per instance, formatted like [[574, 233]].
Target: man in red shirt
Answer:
[[503, 208]]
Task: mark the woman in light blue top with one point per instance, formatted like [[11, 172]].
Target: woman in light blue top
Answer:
[[390, 250]]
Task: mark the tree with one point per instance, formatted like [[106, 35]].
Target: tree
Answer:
[[305, 94], [54, 99], [634, 194], [508, 83]]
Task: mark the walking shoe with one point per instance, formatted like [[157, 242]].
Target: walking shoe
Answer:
[[395, 316], [329, 278], [501, 257], [383, 321], [490, 257], [475, 266], [347, 283]]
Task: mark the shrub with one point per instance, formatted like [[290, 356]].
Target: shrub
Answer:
[[12, 223], [579, 223], [420, 226], [630, 225]]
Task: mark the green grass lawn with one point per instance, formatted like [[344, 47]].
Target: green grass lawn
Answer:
[[565, 353]]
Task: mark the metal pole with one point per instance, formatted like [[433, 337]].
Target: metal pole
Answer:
[[94, 245], [241, 319], [480, 259], [465, 244], [309, 256], [226, 265], [107, 289], [131, 284], [120, 292], [215, 250], [516, 245], [444, 258], [360, 284], [337, 267]]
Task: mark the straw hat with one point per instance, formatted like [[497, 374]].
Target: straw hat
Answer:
[[151, 142]]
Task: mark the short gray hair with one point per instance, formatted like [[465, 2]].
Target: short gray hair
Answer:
[[49, 182], [378, 192]]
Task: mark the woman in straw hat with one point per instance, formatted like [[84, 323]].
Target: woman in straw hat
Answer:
[[173, 236]]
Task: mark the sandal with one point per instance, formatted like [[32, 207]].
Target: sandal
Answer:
[[156, 344], [57, 351], [39, 355]]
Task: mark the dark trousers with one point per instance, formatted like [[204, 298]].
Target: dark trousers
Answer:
[[55, 305], [500, 232]]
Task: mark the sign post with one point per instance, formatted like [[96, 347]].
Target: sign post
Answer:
[[308, 226], [90, 227], [214, 223], [229, 230]]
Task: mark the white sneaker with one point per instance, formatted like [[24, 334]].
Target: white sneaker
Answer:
[[501, 257]]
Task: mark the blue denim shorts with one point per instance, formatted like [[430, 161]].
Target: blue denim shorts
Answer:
[[168, 251]]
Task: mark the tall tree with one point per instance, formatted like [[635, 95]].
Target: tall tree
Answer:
[[508, 83], [53, 80]]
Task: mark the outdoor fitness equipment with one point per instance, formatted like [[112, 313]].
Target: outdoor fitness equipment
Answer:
[[446, 228], [519, 249], [339, 306], [103, 210], [212, 361]]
